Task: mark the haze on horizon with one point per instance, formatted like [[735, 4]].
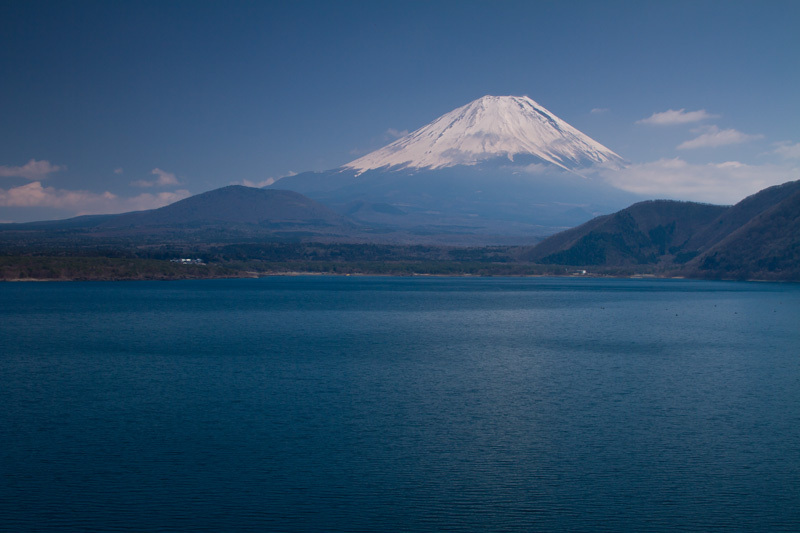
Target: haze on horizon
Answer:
[[113, 107]]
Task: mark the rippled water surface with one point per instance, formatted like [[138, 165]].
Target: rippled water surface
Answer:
[[400, 404]]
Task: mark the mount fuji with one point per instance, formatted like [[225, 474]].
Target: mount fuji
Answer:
[[500, 169], [491, 127]]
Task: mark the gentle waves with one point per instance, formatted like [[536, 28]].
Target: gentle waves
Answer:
[[400, 404]]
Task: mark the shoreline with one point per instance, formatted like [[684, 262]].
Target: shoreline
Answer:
[[254, 275]]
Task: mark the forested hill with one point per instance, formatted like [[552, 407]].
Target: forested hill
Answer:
[[758, 238]]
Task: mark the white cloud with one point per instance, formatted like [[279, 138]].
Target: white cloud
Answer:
[[599, 110], [718, 183], [149, 201], [84, 202], [257, 184], [788, 150], [672, 117], [534, 168], [32, 170], [396, 134], [714, 137], [118, 170], [165, 179], [263, 183]]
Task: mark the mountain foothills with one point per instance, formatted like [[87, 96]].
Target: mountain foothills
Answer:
[[474, 192], [236, 231]]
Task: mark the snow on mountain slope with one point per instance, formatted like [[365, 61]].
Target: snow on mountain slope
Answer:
[[487, 128]]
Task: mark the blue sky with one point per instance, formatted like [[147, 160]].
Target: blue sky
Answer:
[[114, 106]]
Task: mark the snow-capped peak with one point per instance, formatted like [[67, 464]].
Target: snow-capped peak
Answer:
[[490, 127]]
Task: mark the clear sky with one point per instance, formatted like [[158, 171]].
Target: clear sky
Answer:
[[114, 106]]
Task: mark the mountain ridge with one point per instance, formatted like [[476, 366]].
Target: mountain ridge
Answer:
[[234, 204], [231, 212]]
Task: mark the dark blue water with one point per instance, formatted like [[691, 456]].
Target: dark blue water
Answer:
[[400, 404]]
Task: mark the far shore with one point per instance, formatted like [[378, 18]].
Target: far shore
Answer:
[[258, 275]]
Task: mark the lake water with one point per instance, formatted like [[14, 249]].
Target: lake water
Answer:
[[400, 404]]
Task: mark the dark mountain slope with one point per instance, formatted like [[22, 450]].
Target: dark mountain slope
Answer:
[[766, 247], [644, 233], [80, 222], [740, 214], [758, 238]]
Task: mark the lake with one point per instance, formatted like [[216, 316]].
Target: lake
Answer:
[[400, 404]]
